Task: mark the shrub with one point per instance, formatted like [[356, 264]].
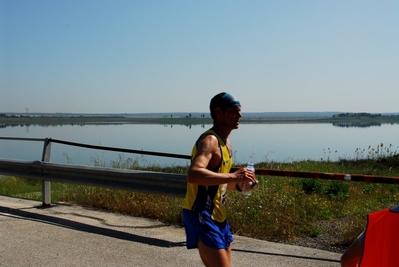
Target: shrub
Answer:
[[310, 186], [338, 190]]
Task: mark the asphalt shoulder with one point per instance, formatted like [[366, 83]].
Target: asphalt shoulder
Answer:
[[68, 235]]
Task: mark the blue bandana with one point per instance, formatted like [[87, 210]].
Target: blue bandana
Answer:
[[228, 100]]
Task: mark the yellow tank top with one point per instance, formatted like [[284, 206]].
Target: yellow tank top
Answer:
[[211, 199]]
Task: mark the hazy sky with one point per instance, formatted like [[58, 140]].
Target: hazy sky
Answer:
[[104, 56]]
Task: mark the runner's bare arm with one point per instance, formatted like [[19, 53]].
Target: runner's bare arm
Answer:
[[208, 158]]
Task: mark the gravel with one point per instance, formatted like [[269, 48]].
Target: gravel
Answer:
[[326, 240]]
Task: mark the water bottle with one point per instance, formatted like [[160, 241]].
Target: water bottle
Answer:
[[247, 187]]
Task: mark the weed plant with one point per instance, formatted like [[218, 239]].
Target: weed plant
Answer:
[[279, 209]]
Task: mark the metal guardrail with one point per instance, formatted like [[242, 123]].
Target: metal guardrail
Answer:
[[329, 176], [134, 180], [139, 181]]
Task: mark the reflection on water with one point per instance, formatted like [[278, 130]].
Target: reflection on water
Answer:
[[187, 125], [336, 124], [356, 124]]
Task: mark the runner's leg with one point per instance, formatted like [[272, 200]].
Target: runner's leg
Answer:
[[213, 257]]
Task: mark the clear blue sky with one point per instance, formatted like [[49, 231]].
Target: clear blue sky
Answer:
[[130, 56]]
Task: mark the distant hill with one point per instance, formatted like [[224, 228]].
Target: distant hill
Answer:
[[187, 114], [289, 114]]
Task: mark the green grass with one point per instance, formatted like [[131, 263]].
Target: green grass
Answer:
[[278, 209]]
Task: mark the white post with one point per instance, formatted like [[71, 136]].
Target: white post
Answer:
[[46, 185]]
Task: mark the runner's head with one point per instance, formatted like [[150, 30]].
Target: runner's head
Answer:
[[223, 101]]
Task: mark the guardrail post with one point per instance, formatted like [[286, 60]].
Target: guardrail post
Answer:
[[46, 185]]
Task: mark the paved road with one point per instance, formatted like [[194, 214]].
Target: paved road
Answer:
[[64, 235]]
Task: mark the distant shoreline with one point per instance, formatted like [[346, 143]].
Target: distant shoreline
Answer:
[[55, 120]]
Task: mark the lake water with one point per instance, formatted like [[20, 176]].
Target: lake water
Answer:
[[251, 142]]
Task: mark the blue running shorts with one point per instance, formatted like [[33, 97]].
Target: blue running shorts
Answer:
[[212, 233]]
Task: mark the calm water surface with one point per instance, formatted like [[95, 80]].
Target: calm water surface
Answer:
[[251, 142]]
